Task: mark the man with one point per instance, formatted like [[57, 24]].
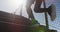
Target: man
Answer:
[[37, 8], [51, 9]]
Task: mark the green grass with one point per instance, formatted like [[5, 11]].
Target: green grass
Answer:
[[39, 28]]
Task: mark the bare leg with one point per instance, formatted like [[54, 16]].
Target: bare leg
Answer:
[[40, 10], [28, 8], [37, 6]]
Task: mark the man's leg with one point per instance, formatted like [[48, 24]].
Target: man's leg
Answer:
[[40, 10], [38, 5], [37, 8], [28, 8]]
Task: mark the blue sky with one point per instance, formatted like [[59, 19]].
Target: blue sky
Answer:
[[14, 5]]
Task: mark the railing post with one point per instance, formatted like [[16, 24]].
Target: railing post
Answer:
[[46, 17]]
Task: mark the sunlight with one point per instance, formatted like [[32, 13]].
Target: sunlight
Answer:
[[18, 2]]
